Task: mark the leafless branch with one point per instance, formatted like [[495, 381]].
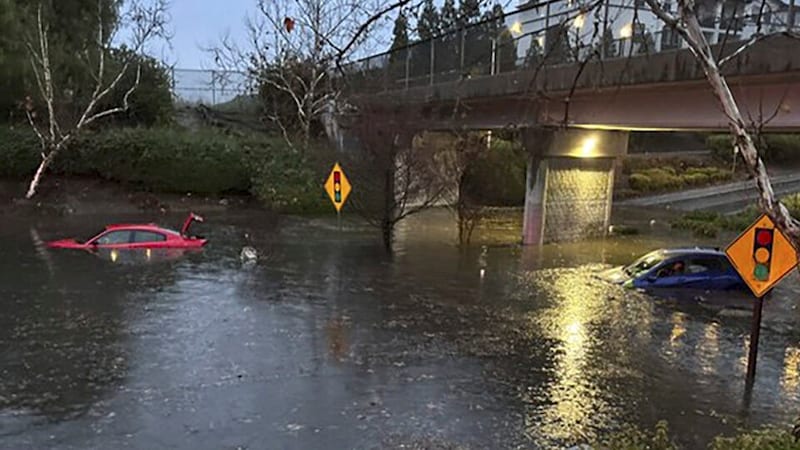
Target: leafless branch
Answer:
[[342, 52]]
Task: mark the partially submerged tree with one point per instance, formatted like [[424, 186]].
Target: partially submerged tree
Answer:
[[467, 147], [395, 178], [66, 113]]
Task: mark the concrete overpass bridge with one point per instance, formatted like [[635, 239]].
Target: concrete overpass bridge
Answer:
[[575, 116]]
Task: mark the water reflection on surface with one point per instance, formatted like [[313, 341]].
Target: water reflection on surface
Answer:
[[327, 342]]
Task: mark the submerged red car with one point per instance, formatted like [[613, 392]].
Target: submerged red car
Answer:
[[133, 236]]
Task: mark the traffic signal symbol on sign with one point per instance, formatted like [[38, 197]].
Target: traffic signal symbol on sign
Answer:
[[337, 186], [762, 253]]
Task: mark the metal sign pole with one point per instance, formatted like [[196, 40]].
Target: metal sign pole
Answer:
[[754, 334], [339, 220]]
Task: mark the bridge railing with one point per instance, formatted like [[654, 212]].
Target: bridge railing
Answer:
[[550, 34]]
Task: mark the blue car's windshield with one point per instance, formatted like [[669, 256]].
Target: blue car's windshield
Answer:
[[644, 263]]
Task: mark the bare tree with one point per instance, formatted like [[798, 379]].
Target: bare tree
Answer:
[[143, 20], [395, 178], [453, 161], [293, 50]]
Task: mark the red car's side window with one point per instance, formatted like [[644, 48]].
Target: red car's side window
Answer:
[[114, 238], [140, 237]]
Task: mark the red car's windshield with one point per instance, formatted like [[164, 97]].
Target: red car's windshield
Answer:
[[91, 236]]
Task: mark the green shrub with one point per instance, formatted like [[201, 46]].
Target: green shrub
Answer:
[[792, 203], [657, 179], [669, 178], [18, 152], [630, 438], [766, 438], [695, 179], [287, 182], [176, 160], [497, 178], [771, 147], [168, 160], [721, 146], [640, 182]]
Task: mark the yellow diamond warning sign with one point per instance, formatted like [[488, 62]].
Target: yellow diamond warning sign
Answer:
[[762, 255], [338, 187]]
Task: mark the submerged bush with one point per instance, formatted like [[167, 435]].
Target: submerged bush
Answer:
[[631, 438], [288, 182]]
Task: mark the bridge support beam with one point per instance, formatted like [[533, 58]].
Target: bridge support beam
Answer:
[[570, 180]]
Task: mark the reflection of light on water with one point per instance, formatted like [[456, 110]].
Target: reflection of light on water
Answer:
[[148, 254], [114, 255], [745, 348], [710, 347], [678, 329], [791, 374], [572, 391]]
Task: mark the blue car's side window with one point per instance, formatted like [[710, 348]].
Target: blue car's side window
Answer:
[[703, 266], [671, 268]]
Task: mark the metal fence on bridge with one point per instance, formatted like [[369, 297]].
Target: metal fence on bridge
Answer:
[[549, 33], [209, 87]]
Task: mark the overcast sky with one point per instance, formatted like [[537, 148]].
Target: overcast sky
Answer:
[[201, 23]]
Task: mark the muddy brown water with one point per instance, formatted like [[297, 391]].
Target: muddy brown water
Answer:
[[327, 342]]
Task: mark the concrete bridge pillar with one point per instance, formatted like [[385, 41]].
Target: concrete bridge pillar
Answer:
[[569, 183]]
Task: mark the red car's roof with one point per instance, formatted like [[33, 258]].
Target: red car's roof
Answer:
[[139, 226], [130, 225]]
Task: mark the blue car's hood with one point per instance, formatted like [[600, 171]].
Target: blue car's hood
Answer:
[[615, 275]]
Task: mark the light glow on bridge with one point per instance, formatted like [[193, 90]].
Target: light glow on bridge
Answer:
[[589, 147]]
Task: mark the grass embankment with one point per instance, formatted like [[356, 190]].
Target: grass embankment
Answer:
[[709, 224], [169, 160]]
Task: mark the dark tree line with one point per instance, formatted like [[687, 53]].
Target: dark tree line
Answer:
[[459, 40]]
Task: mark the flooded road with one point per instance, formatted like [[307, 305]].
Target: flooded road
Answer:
[[327, 342]]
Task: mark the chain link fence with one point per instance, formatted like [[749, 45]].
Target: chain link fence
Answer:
[[209, 87], [552, 32]]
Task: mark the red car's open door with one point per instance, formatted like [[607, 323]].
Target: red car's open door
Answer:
[[188, 223]]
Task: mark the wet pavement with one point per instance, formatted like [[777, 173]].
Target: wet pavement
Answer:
[[327, 342]]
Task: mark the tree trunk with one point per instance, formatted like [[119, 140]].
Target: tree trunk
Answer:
[[389, 209], [34, 185], [388, 235]]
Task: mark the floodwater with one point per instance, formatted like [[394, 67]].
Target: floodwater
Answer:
[[327, 342]]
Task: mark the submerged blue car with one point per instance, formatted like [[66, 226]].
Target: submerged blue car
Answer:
[[698, 268]]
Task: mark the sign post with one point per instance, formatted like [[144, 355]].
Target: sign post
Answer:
[[762, 255], [755, 331], [338, 188]]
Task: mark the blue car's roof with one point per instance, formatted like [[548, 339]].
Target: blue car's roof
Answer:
[[699, 251]]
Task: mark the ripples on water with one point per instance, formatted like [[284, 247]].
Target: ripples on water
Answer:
[[326, 340]]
